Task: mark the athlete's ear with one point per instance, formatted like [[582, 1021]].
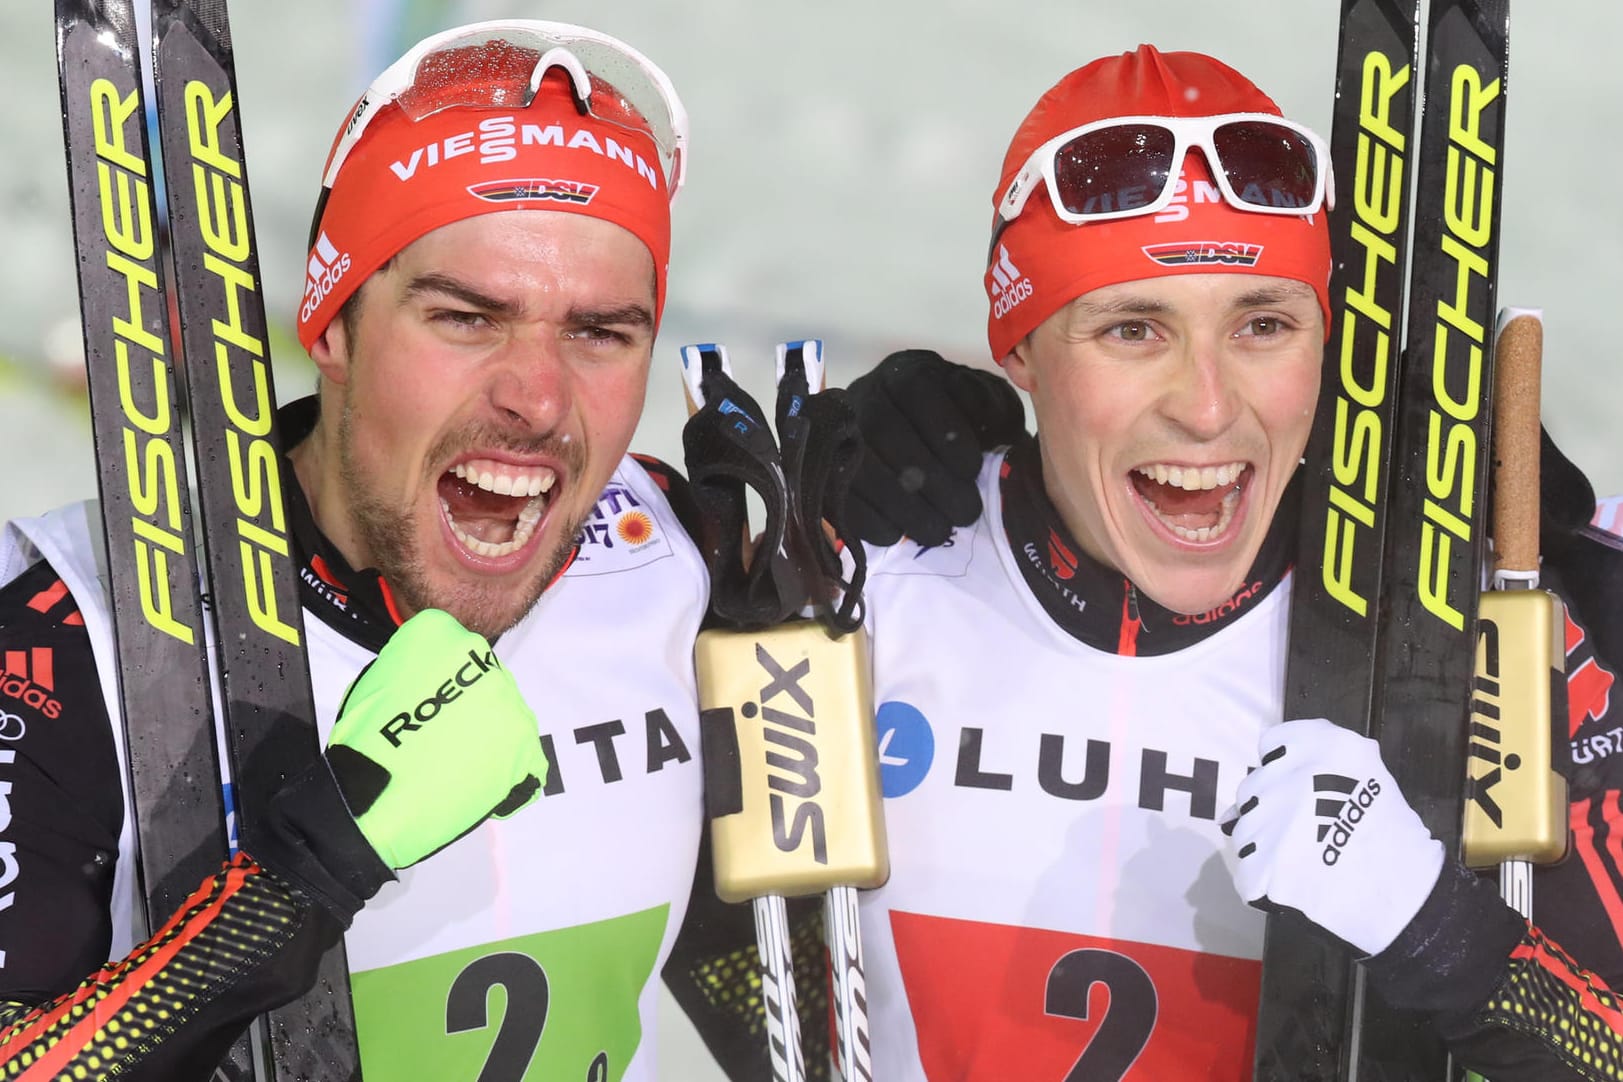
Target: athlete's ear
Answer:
[[1018, 365], [330, 351]]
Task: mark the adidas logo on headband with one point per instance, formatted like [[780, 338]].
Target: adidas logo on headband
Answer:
[[322, 274], [1009, 286]]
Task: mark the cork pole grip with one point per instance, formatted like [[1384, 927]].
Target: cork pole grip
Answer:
[[1517, 360]]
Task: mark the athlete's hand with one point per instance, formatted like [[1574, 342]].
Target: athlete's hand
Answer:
[[925, 423], [1322, 828], [432, 739]]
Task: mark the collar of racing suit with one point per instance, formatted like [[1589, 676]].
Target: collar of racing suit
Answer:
[[1099, 605], [356, 603]]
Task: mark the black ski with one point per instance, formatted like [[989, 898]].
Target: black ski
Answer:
[[263, 668], [1331, 668], [1438, 525], [157, 617], [1392, 532]]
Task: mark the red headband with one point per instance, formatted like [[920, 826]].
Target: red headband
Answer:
[[1039, 263], [407, 178]]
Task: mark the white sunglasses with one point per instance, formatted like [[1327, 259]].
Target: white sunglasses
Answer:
[[615, 82], [1129, 166]]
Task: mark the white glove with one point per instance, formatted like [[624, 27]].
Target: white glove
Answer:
[[1322, 828]]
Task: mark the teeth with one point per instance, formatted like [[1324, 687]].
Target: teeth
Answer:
[[506, 480], [1199, 479], [531, 483], [1225, 515], [522, 530], [1193, 478]]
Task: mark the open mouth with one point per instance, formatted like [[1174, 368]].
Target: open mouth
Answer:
[[1196, 503], [493, 508]]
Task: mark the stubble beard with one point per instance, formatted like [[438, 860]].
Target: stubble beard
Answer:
[[389, 535]]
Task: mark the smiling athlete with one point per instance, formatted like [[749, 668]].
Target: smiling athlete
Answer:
[[486, 274], [1076, 692]]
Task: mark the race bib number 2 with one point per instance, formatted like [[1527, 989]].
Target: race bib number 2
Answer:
[[994, 1001], [555, 1005]]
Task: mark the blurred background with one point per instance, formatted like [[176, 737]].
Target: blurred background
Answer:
[[843, 156], [843, 159]]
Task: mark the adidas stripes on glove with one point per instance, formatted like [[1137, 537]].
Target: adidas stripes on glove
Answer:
[[1322, 828]]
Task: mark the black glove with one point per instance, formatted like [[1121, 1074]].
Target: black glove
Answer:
[[1566, 495], [925, 422]]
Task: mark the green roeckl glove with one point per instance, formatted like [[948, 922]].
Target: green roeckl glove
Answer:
[[432, 739]]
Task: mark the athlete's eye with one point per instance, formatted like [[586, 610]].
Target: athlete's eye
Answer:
[[459, 317], [1134, 330], [599, 335]]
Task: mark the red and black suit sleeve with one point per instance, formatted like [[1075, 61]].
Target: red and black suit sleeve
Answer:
[[1579, 901], [60, 809], [244, 941], [1509, 1002]]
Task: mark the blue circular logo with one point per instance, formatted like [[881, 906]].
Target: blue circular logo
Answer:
[[906, 747]]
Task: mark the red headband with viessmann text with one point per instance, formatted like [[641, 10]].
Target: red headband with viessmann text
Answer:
[[1039, 263], [407, 178]]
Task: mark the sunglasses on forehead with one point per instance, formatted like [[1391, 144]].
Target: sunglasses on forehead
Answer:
[[1129, 166], [500, 65]]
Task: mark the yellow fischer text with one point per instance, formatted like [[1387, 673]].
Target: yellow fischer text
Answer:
[[1366, 332], [239, 360], [123, 190], [1459, 353]]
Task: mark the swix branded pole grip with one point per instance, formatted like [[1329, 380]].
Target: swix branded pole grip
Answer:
[[1516, 808], [786, 703], [791, 778], [792, 795]]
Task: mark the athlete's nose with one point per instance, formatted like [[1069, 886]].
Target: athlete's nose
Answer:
[[529, 383], [1202, 399]]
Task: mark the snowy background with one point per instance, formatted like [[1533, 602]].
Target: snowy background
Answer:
[[843, 155]]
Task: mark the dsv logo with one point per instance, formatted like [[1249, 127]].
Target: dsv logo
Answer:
[[472, 671], [792, 772]]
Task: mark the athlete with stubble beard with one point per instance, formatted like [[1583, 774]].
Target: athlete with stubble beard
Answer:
[[486, 275], [470, 487]]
